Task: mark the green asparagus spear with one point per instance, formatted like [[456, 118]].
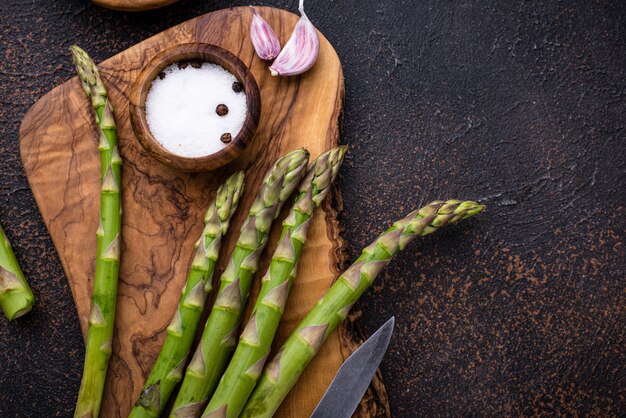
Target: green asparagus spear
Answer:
[[102, 315], [286, 367], [220, 333], [16, 298], [168, 369], [254, 345]]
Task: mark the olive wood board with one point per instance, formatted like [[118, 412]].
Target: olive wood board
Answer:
[[133, 5], [163, 208]]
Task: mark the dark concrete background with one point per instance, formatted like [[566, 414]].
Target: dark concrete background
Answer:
[[520, 105]]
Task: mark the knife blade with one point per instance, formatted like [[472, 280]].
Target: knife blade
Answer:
[[354, 376]]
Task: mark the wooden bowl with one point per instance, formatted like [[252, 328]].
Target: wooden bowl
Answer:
[[187, 52], [133, 5]]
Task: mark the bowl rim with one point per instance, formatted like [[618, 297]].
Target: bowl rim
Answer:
[[188, 52]]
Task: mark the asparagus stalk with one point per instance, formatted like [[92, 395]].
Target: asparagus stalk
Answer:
[[219, 336], [286, 367], [168, 369], [255, 342], [102, 315], [16, 298]]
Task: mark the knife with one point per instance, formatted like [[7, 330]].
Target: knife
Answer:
[[354, 376]]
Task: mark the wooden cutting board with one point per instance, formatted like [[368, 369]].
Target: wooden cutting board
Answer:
[[133, 5], [163, 208]]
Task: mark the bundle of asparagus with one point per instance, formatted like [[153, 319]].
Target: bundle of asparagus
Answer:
[[238, 393], [220, 333], [100, 330], [16, 298], [168, 369], [254, 345], [283, 371]]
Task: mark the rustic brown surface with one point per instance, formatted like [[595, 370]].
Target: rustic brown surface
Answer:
[[163, 208], [133, 5]]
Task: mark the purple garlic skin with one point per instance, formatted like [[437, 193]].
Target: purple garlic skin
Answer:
[[300, 51], [264, 39]]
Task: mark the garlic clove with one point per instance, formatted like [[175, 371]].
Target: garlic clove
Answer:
[[300, 51], [264, 39]]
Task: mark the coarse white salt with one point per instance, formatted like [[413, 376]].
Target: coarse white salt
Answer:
[[181, 109]]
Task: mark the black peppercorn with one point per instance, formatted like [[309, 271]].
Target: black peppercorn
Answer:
[[221, 110], [196, 64], [182, 65], [237, 87], [161, 75], [226, 138]]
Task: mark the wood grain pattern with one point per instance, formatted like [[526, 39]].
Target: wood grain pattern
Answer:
[[163, 208], [133, 5]]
